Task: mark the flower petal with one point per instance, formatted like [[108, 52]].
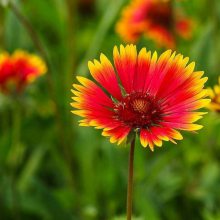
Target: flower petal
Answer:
[[125, 63], [104, 73]]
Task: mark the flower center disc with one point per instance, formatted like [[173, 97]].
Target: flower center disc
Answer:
[[138, 110], [140, 105]]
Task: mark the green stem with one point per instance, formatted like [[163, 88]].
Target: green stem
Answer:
[[2, 27], [36, 41], [40, 47], [15, 155], [29, 28], [16, 126], [130, 179]]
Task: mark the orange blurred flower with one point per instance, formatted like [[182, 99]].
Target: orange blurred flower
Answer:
[[156, 19], [19, 69], [150, 95]]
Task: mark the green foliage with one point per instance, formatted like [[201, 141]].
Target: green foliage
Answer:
[[52, 169]]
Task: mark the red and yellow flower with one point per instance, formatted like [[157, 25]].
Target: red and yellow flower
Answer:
[[143, 93], [215, 97], [19, 69], [156, 19]]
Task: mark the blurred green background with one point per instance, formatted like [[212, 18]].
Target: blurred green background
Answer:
[[52, 169]]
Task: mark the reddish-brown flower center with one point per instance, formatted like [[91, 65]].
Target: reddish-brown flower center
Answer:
[[138, 110]]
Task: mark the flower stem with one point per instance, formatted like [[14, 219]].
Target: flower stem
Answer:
[[15, 155], [130, 179], [51, 88], [31, 31]]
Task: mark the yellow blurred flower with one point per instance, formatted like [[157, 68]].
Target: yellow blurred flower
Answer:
[[215, 97]]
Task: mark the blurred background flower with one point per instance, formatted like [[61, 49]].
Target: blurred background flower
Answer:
[[215, 97], [18, 70], [159, 20]]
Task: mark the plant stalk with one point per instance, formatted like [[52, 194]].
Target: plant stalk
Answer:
[[51, 89], [130, 179]]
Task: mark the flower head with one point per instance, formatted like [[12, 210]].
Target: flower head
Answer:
[[156, 19], [153, 96], [215, 97], [19, 69]]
